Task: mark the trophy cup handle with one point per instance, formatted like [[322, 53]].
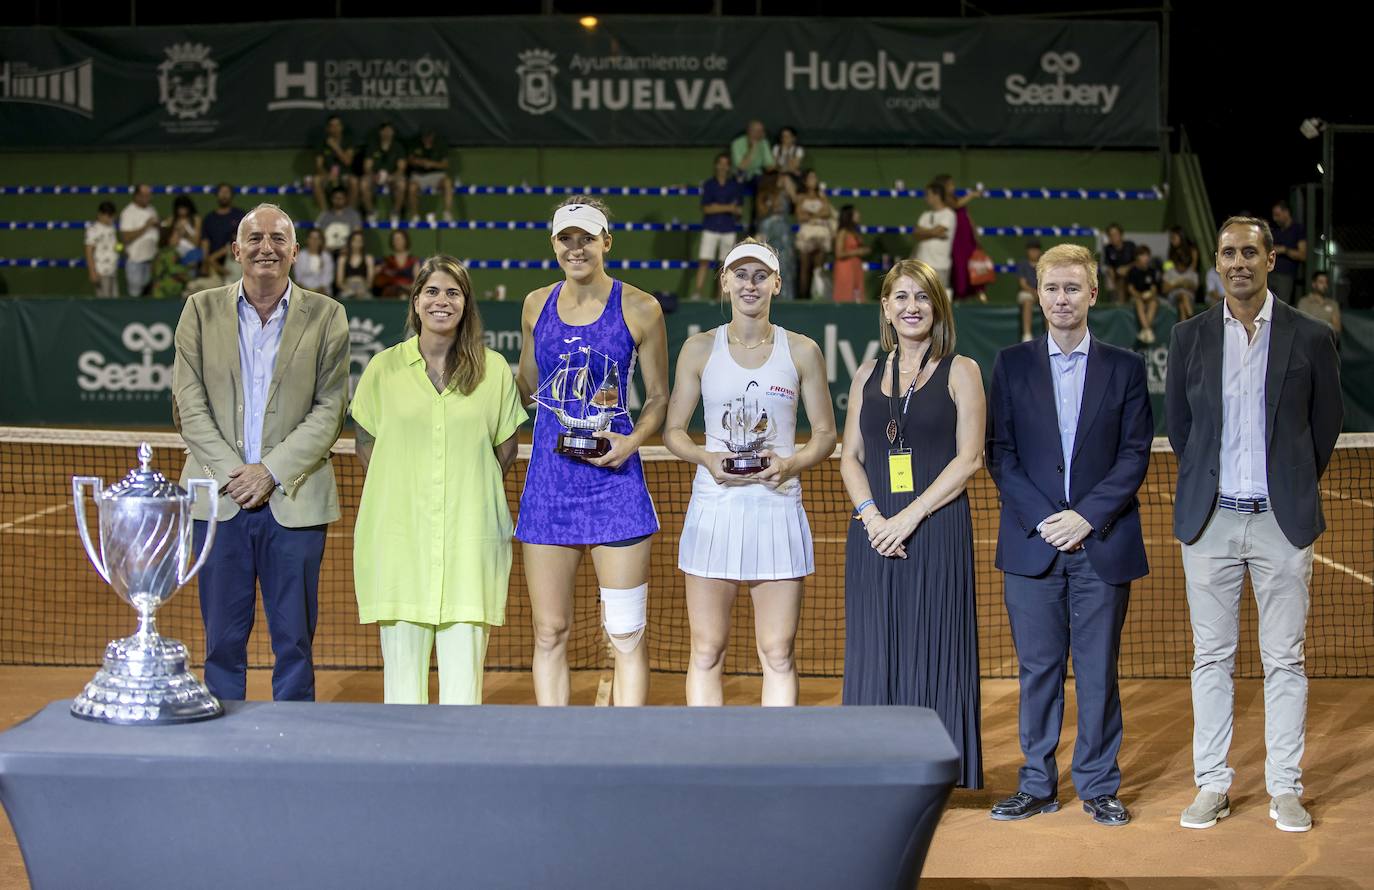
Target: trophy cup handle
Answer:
[[79, 505], [213, 492]]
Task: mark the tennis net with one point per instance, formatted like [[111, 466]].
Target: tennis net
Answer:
[[55, 610]]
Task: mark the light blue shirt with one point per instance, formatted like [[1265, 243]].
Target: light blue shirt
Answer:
[[1068, 371], [258, 343]]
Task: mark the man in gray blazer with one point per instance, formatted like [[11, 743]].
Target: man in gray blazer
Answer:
[[1253, 402], [260, 386]]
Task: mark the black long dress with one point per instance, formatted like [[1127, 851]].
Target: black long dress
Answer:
[[911, 629]]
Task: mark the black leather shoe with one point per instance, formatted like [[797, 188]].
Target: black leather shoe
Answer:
[[1022, 806], [1106, 809]]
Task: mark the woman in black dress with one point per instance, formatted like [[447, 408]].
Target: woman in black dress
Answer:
[[911, 633]]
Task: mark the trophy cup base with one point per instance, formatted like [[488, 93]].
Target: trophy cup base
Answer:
[[744, 464], [144, 682], [573, 445]]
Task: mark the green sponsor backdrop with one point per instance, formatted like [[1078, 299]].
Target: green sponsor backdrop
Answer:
[[545, 80], [108, 363]]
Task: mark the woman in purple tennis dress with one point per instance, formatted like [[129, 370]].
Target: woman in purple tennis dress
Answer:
[[599, 504]]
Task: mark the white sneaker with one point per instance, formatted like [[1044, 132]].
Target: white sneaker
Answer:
[[448, 217]]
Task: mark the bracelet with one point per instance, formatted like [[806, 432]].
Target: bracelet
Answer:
[[923, 504], [859, 509]]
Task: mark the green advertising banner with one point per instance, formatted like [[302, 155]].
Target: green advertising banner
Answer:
[[108, 363], [631, 80]]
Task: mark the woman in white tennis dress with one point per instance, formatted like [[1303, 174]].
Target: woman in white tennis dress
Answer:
[[748, 529]]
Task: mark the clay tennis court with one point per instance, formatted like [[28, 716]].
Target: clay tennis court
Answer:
[[56, 616]]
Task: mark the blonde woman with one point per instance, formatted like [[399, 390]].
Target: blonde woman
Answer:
[[748, 529], [913, 437]]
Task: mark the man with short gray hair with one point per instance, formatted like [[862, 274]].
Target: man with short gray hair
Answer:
[[1253, 400], [260, 387]]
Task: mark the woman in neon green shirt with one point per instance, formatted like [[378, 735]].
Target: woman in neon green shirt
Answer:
[[436, 417]]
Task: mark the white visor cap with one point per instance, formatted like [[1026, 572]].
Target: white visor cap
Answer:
[[752, 252], [579, 216]]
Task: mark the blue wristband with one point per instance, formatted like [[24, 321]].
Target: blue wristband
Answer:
[[859, 509]]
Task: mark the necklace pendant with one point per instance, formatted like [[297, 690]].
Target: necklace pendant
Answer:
[[891, 432]]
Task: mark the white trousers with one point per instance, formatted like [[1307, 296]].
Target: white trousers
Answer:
[[462, 648]]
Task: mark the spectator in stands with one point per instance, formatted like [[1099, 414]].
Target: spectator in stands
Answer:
[[138, 230], [1320, 306], [397, 273], [338, 221], [384, 167], [1143, 283], [1215, 292], [1028, 295], [186, 229], [354, 269], [217, 233], [935, 231], [789, 155], [722, 203], [1180, 273], [777, 196], [1118, 255], [170, 274], [752, 156], [102, 257], [427, 168], [334, 165], [963, 240], [850, 251], [1290, 249], [815, 231], [314, 267], [750, 153]]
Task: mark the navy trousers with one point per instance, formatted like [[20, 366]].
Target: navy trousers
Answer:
[[249, 550], [1068, 609]]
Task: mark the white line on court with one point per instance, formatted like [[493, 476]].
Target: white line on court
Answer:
[[1358, 576], [1341, 496], [29, 517]]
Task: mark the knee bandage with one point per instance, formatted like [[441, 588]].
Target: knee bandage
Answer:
[[624, 614]]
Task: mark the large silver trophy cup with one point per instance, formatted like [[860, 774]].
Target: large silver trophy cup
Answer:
[[145, 545]]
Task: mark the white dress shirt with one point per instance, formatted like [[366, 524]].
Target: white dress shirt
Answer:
[[1245, 363]]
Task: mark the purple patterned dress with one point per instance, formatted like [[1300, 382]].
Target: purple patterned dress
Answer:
[[568, 501]]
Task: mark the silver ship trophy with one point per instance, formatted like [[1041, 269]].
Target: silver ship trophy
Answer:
[[145, 544], [747, 429], [583, 406]]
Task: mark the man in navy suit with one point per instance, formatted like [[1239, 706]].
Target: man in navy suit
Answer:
[[1069, 443]]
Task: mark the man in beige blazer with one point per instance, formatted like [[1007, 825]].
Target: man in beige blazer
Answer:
[[259, 389]]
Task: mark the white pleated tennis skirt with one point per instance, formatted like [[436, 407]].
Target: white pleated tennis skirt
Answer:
[[746, 533]]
